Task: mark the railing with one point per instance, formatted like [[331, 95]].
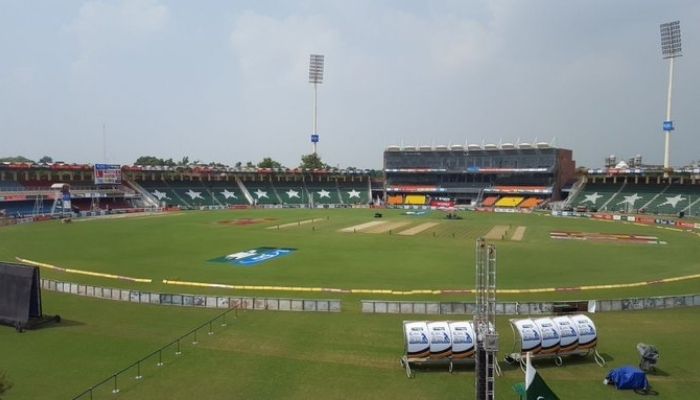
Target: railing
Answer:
[[152, 362]]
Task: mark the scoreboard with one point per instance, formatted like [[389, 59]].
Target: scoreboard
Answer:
[[108, 174]]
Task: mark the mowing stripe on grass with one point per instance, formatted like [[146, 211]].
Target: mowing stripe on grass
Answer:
[[81, 272], [418, 229]]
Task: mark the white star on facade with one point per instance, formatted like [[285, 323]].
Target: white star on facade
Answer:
[[228, 194], [324, 193], [353, 193], [292, 193], [672, 201], [194, 195], [593, 198], [159, 195], [630, 199], [261, 194]]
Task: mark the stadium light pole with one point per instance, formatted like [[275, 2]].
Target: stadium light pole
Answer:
[[316, 62], [670, 49]]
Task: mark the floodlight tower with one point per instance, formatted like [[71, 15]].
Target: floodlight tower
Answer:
[[316, 77], [486, 366], [670, 49]]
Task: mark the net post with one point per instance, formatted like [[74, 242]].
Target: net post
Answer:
[[138, 370], [160, 358], [116, 389]]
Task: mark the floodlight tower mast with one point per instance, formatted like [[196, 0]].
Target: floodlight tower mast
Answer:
[[486, 366], [316, 62], [670, 49]]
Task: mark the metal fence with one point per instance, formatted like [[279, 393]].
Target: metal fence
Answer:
[[149, 365], [528, 308], [191, 300]]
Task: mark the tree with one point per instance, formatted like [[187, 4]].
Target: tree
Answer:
[[45, 160], [249, 164], [268, 162], [154, 161], [238, 164], [16, 159], [5, 385], [312, 161], [185, 161]]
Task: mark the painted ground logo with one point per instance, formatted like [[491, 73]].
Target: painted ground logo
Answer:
[[254, 257]]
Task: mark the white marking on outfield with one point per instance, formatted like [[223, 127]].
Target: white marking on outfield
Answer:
[[419, 228], [386, 227], [519, 233], [362, 226], [298, 223]]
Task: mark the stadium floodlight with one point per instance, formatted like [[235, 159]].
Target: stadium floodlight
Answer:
[[670, 49], [316, 62]]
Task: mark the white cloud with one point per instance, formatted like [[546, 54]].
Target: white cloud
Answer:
[[277, 50], [127, 17]]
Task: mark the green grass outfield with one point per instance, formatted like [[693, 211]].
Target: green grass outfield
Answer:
[[177, 247], [278, 355], [285, 355]]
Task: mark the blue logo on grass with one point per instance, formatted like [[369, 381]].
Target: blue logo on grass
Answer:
[[250, 258]]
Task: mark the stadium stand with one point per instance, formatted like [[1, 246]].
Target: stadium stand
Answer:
[[530, 202], [509, 201], [489, 201], [468, 174], [675, 199], [260, 187], [596, 196], [415, 200]]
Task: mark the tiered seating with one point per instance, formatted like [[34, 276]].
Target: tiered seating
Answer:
[[675, 199], [173, 193], [394, 200], [509, 201], [291, 192], [10, 186], [415, 200], [324, 193], [226, 192], [595, 195], [23, 208], [530, 202], [354, 192], [262, 191], [489, 201], [193, 193], [633, 197]]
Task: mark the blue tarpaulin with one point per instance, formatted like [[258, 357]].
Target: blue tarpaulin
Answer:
[[628, 378]]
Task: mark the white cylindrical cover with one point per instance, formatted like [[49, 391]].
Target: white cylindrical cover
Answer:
[[440, 339], [530, 338], [568, 334], [416, 336], [587, 334], [463, 339], [550, 335]]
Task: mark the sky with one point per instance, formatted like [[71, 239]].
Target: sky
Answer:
[[109, 81]]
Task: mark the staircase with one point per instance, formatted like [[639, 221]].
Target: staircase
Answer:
[[648, 203], [245, 191], [148, 199], [605, 205]]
